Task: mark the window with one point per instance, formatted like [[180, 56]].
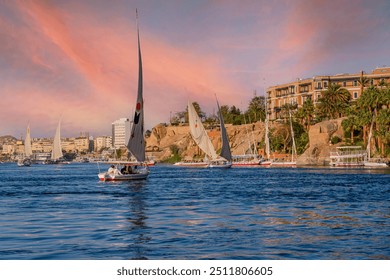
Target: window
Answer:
[[325, 84], [319, 85], [344, 84], [355, 95], [355, 83]]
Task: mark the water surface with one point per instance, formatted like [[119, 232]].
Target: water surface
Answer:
[[64, 212]]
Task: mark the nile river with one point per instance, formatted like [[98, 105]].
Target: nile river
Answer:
[[64, 212]]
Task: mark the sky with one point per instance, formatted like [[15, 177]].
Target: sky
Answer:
[[77, 60]]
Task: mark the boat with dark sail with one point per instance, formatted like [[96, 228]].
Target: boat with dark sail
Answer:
[[138, 169]]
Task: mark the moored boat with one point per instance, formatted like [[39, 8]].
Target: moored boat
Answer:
[[245, 161], [348, 156], [195, 164]]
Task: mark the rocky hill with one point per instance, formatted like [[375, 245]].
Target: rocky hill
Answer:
[[241, 137], [163, 137]]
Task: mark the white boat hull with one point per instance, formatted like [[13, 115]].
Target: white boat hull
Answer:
[[284, 164], [375, 164], [192, 164], [265, 163]]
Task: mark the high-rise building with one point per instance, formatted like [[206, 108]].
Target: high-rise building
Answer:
[[120, 133]]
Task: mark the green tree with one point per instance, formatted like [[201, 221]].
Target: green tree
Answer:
[[363, 82], [183, 115], [352, 123], [256, 109], [307, 112], [333, 102]]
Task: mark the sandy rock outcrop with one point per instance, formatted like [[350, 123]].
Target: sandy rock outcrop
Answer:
[[319, 143]]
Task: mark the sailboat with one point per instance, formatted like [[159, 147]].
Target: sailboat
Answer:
[[26, 159], [136, 145], [225, 157], [56, 152], [203, 141], [293, 162], [200, 137]]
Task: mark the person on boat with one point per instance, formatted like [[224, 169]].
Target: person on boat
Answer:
[[113, 170], [126, 169]]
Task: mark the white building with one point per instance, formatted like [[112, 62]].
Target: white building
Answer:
[[102, 142], [120, 133]]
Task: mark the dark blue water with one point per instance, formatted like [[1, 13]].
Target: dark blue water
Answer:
[[64, 212]]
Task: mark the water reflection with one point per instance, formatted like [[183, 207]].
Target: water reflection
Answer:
[[136, 217]]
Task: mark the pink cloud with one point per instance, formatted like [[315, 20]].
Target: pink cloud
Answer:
[[90, 73]]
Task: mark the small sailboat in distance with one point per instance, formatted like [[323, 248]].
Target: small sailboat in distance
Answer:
[[201, 139], [26, 158], [56, 152], [136, 145]]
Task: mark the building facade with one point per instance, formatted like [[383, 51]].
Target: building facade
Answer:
[[120, 133], [312, 88], [102, 142]]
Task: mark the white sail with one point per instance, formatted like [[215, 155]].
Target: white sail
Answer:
[[199, 134], [56, 153], [136, 143], [27, 143], [225, 151]]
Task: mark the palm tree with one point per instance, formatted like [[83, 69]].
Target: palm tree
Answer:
[[352, 122], [373, 101], [334, 101], [256, 108], [308, 111], [363, 82], [286, 109]]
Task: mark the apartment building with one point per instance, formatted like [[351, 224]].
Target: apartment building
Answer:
[[312, 88], [102, 142], [120, 133]]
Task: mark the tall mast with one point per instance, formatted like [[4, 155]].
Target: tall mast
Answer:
[[266, 136], [136, 143]]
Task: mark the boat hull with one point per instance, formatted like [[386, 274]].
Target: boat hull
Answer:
[[220, 165], [244, 164], [375, 164], [122, 177], [283, 164], [265, 163], [192, 164], [127, 171]]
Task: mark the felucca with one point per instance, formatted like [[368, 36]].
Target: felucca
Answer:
[[136, 145]]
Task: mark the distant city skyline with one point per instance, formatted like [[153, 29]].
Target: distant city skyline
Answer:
[[77, 60]]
